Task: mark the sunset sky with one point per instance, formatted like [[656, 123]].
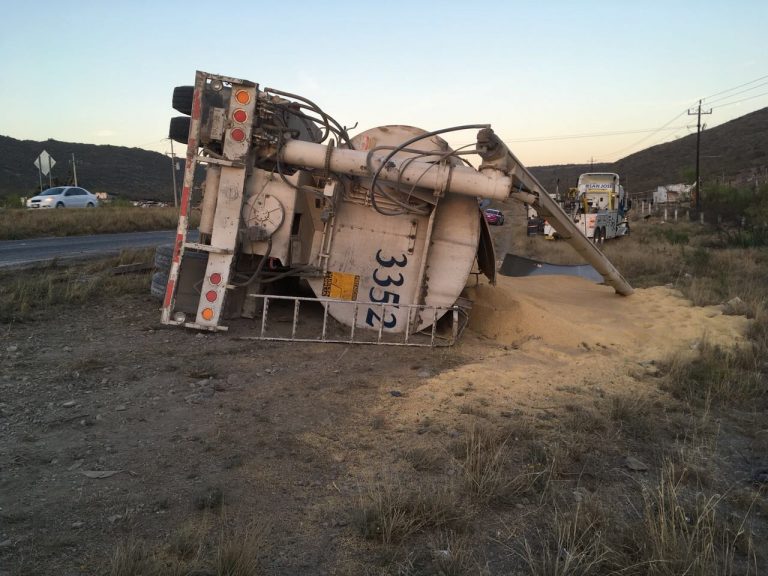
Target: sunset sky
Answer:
[[561, 82]]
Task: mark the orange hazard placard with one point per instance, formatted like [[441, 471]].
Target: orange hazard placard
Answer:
[[340, 285]]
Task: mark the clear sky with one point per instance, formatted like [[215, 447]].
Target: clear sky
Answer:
[[104, 72]]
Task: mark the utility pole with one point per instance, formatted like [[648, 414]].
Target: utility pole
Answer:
[[697, 186], [74, 169]]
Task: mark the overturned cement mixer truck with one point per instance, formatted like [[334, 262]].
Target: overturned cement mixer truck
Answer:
[[321, 236]]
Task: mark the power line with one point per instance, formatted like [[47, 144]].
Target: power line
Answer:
[[587, 135], [735, 87], [644, 138], [740, 101], [755, 87]]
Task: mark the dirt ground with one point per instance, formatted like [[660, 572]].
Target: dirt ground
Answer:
[[114, 427]]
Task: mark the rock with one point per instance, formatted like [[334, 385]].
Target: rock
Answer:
[[69, 404], [6, 543], [12, 348], [761, 441], [120, 408], [735, 307], [634, 464], [78, 524], [396, 393], [67, 349], [760, 476], [114, 518], [424, 373]]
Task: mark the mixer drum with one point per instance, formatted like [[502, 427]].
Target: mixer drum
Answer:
[[422, 256]]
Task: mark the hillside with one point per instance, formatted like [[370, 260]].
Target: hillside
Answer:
[[126, 172], [733, 152]]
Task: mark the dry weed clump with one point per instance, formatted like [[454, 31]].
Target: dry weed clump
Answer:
[[389, 512], [235, 550], [238, 550], [454, 555], [686, 533], [718, 377], [132, 558], [635, 416], [572, 544]]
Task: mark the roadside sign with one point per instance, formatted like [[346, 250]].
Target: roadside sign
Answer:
[[45, 162]]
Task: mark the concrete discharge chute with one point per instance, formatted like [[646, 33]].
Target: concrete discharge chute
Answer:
[[384, 228]]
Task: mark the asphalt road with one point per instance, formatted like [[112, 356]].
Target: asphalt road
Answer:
[[22, 253]]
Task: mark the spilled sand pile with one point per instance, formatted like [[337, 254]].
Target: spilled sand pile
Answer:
[[567, 312], [537, 341]]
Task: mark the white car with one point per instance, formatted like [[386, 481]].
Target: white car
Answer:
[[64, 197]]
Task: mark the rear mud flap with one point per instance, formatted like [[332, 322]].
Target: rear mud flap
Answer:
[[486, 255], [519, 266]]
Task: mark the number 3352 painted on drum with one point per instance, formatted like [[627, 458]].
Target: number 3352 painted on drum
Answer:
[[387, 279]]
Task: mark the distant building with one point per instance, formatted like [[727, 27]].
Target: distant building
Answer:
[[672, 193]]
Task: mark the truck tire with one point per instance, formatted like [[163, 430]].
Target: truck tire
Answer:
[[163, 257], [179, 129], [182, 99], [159, 282]]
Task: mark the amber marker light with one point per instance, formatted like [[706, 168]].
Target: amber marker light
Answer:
[[242, 96], [207, 313]]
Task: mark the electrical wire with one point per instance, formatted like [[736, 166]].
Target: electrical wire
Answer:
[[740, 101], [729, 96], [586, 135], [644, 138], [735, 87]]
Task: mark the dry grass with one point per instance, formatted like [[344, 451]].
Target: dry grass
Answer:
[[390, 513], [686, 534], [635, 416], [18, 224], [484, 462], [134, 558], [232, 551], [27, 294], [454, 555], [573, 544], [238, 550], [718, 377]]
